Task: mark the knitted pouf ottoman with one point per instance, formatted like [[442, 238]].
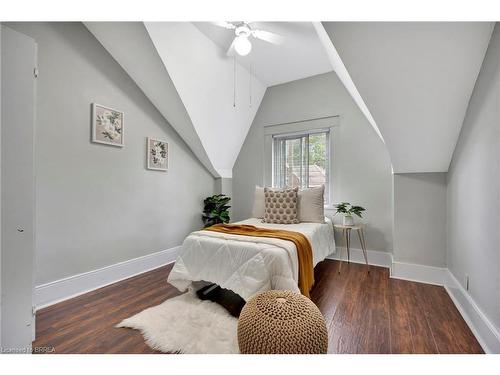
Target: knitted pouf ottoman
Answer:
[[281, 322]]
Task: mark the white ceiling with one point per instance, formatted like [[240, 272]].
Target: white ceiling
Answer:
[[416, 80], [300, 55]]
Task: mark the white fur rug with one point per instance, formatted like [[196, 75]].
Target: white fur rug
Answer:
[[187, 324]]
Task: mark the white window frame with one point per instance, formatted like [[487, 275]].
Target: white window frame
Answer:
[[323, 124]]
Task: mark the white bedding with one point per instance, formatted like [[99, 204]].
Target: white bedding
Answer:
[[248, 265]]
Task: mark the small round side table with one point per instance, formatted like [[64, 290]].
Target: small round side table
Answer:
[[346, 234]]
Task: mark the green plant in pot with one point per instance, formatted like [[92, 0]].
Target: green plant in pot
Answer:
[[216, 210], [348, 210]]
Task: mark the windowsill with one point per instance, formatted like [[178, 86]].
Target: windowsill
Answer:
[[329, 207]]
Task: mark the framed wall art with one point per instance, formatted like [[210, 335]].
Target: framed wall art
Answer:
[[107, 125], [157, 154]]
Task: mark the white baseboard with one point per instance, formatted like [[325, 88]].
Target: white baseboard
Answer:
[[69, 287], [486, 333], [375, 258], [419, 273]]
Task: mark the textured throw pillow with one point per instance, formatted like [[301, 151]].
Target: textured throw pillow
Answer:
[[311, 205], [281, 206], [259, 205]]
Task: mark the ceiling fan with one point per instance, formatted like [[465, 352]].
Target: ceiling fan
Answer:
[[243, 31]]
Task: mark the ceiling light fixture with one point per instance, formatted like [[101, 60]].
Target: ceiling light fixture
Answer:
[[243, 31], [242, 45]]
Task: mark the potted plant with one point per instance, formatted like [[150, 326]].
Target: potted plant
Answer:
[[348, 210], [216, 210]]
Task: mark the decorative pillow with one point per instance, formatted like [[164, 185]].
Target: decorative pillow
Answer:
[[281, 206], [259, 205], [311, 205]]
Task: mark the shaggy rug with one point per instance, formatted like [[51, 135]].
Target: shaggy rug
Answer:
[[187, 324]]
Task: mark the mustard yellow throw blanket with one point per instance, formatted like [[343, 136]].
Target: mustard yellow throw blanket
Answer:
[[304, 250]]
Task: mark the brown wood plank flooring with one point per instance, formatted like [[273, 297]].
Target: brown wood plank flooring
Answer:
[[365, 313]]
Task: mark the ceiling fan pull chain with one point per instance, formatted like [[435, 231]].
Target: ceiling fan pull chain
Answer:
[[250, 85], [234, 82]]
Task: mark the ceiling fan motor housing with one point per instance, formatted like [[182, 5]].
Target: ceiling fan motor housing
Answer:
[[243, 30]]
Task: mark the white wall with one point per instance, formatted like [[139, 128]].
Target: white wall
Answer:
[[204, 78], [362, 169], [474, 191], [97, 205], [224, 186], [420, 218]]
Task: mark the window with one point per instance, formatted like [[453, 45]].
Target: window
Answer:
[[302, 160]]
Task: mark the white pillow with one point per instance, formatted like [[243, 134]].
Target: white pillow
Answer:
[[311, 205], [259, 205]]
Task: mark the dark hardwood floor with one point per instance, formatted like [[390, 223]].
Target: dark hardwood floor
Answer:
[[365, 313]]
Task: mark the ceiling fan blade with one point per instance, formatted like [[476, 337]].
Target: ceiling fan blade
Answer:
[[224, 24], [231, 51], [268, 36]]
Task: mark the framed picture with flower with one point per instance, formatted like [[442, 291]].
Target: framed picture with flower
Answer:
[[157, 154], [107, 125]]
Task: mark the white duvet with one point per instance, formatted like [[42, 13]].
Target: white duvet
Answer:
[[248, 265]]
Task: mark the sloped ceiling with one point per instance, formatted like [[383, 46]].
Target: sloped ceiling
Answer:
[[300, 55], [210, 98], [204, 77], [413, 81], [131, 47], [343, 74], [416, 80]]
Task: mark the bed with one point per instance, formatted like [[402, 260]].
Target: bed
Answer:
[[248, 265]]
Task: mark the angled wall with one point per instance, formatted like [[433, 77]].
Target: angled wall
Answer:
[[205, 80], [130, 45], [416, 79]]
